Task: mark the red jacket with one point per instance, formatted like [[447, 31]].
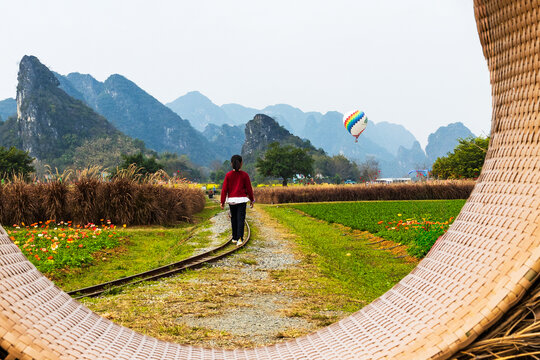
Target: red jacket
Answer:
[[236, 184]]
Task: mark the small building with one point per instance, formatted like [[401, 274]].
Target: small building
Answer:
[[392, 180]]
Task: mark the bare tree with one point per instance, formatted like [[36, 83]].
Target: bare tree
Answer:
[[369, 169]]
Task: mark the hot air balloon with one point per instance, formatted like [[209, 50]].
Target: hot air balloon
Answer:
[[355, 122]]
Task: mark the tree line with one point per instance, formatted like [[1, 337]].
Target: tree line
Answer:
[[283, 162]]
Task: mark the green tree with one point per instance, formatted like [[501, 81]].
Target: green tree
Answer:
[[465, 161], [218, 174], [146, 165], [14, 162], [345, 168], [105, 151], [180, 166], [329, 167], [285, 162]]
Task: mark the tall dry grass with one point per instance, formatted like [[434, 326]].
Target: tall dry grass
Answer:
[[126, 199], [515, 336], [317, 193]]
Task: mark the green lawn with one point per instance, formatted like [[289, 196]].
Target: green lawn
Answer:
[[141, 249], [364, 272]]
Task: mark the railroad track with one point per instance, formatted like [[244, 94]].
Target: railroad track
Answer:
[[193, 262]]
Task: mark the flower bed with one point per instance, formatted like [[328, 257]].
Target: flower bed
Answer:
[[417, 224], [50, 245]]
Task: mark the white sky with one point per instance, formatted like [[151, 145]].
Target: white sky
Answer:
[[417, 63]]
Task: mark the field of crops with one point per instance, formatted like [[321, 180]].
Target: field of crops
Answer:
[[417, 224]]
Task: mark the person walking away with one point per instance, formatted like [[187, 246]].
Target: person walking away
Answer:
[[237, 191]]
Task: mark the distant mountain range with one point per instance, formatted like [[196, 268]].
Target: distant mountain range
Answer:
[[139, 115], [396, 148], [195, 105], [445, 138], [8, 107], [213, 133]]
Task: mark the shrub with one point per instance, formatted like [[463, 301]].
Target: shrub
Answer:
[[53, 200], [88, 199], [84, 204], [436, 190]]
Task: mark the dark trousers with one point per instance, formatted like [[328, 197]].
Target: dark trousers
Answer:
[[238, 216]]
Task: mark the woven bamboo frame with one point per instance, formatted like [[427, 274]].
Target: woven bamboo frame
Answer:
[[483, 265]]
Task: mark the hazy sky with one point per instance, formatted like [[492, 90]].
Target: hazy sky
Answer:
[[417, 63]]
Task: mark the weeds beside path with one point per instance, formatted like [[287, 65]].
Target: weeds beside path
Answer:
[[271, 290], [142, 249], [362, 270]]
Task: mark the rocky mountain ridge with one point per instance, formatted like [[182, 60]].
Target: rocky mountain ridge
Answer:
[[446, 137], [138, 114], [263, 130], [392, 145], [56, 128], [141, 116]]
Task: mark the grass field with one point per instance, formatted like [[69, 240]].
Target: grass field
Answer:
[[364, 272], [415, 223]]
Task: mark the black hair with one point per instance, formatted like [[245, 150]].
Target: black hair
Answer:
[[236, 162]]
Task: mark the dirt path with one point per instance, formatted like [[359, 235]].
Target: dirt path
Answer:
[[219, 229], [259, 315], [257, 296]]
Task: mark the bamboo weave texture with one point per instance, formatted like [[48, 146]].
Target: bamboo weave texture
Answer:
[[484, 264]]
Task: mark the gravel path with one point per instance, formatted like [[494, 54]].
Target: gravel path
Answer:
[[220, 224], [259, 318]]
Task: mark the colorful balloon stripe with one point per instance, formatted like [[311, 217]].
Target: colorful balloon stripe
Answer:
[[355, 115], [355, 122], [351, 123]]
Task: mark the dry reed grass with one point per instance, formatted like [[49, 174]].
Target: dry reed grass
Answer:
[[127, 198], [515, 336], [318, 193]]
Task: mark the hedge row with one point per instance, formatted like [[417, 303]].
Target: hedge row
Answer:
[[318, 193], [90, 200]]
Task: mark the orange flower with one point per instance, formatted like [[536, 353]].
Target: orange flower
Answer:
[[50, 258], [380, 222]]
